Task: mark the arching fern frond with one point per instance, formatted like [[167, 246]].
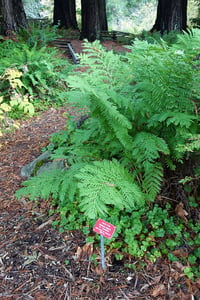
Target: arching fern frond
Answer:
[[192, 144], [176, 118], [42, 186], [106, 183], [58, 184], [146, 147], [153, 176]]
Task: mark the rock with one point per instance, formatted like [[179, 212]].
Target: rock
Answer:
[[42, 164], [28, 170], [52, 165]]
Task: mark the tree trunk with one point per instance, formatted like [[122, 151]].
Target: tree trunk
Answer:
[[102, 15], [64, 14], [171, 15], [90, 20], [13, 16]]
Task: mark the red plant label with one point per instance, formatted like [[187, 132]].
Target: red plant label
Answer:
[[104, 228]]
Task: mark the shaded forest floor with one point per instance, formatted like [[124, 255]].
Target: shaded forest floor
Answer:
[[38, 262]]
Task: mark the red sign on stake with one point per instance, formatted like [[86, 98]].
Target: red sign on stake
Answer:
[[104, 228]]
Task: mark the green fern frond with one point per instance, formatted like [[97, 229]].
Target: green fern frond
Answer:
[[189, 43], [42, 186], [176, 118], [146, 147], [106, 183], [153, 176], [58, 184], [164, 78], [192, 144]]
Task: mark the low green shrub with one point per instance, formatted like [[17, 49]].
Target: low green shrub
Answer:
[[40, 35], [43, 73]]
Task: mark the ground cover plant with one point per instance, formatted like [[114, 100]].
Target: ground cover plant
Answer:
[[33, 74], [141, 124]]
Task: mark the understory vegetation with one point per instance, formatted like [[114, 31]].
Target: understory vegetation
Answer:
[[133, 156], [33, 75]]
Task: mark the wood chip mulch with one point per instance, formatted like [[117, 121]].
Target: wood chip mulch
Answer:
[[39, 262]]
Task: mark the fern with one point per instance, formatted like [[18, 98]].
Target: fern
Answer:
[[106, 183], [99, 184], [146, 147], [153, 176], [192, 144], [143, 107], [175, 118], [44, 74], [164, 78], [58, 184]]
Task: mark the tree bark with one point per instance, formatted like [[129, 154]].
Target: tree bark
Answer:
[[171, 16], [13, 16], [64, 14], [90, 20], [94, 19], [102, 15]]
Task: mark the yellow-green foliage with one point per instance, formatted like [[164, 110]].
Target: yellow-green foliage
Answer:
[[12, 98], [16, 97], [4, 108]]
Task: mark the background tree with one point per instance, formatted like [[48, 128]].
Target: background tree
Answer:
[[102, 15], [13, 16], [93, 19], [64, 14], [171, 15]]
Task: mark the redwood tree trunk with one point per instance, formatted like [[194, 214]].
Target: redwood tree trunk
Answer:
[[171, 15], [102, 15], [64, 14], [90, 20], [94, 19], [13, 16]]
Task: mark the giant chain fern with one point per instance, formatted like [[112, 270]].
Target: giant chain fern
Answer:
[[107, 183], [99, 185], [142, 108], [58, 184]]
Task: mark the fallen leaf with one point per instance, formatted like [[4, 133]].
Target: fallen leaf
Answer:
[[99, 270], [84, 252], [181, 212], [197, 282], [158, 290], [180, 253], [178, 265], [156, 279]]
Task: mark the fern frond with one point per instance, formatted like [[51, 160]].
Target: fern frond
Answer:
[[42, 186], [59, 184], [192, 144], [106, 183], [189, 43], [153, 176], [146, 147], [176, 118]]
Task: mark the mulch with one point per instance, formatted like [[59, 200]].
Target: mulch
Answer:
[[37, 261]]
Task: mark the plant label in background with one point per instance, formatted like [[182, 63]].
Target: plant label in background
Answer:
[[104, 228]]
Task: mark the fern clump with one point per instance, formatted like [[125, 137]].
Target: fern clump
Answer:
[[142, 118], [42, 78]]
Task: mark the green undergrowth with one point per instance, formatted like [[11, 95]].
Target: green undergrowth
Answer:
[[33, 75], [142, 123]]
